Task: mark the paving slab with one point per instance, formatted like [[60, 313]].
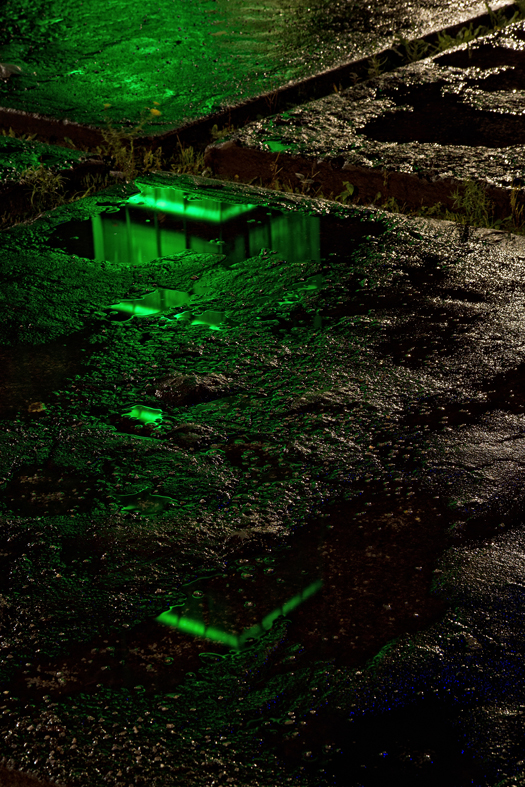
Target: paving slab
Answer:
[[444, 133], [261, 492], [165, 65]]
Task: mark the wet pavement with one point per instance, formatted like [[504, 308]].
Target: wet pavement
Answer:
[[261, 500], [165, 65], [444, 133]]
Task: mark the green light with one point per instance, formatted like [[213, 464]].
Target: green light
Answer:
[[279, 147], [161, 300], [198, 629], [210, 318], [147, 415], [145, 503], [174, 201]]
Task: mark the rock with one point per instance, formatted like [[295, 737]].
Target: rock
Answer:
[[179, 389]]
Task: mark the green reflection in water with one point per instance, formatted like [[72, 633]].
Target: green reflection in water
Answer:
[[144, 230], [160, 300], [199, 629], [280, 147], [178, 202], [163, 300], [144, 502], [147, 415]]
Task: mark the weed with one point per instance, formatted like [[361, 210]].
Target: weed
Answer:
[[464, 36], [119, 147], [517, 210], [392, 205], [377, 66], [187, 161], [217, 133], [271, 100], [13, 134], [47, 187], [348, 192], [474, 205], [414, 50]]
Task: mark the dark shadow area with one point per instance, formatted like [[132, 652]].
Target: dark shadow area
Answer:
[[445, 119], [415, 746]]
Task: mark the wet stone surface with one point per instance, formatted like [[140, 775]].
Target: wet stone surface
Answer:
[[74, 59], [412, 135], [320, 494]]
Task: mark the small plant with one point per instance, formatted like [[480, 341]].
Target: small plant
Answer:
[[347, 193], [13, 134], [517, 210], [187, 162], [217, 133], [393, 206], [120, 147], [414, 50], [376, 66], [474, 205], [47, 187]]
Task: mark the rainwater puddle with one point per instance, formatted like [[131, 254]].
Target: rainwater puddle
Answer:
[[159, 222]]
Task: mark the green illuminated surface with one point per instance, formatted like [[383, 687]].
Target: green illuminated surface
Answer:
[[192, 58], [284, 429], [173, 201], [198, 629], [145, 503], [161, 300], [146, 415]]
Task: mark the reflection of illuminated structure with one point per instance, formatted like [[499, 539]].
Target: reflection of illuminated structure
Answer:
[[160, 221], [199, 629]]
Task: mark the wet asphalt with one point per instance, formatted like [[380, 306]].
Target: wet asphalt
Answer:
[[355, 420], [345, 409]]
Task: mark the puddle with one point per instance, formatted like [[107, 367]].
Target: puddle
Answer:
[[481, 107], [144, 415], [164, 221], [438, 116], [144, 502]]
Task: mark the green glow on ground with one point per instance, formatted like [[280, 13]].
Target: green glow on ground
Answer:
[[145, 503], [146, 415], [161, 300], [173, 201], [199, 629]]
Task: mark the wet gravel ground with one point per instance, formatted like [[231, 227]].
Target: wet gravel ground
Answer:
[[412, 135], [351, 417]]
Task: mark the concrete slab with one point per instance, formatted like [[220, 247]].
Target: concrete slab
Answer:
[[213, 399], [208, 58], [413, 137]]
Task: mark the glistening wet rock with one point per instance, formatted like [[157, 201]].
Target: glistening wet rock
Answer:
[[414, 137], [180, 389]]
